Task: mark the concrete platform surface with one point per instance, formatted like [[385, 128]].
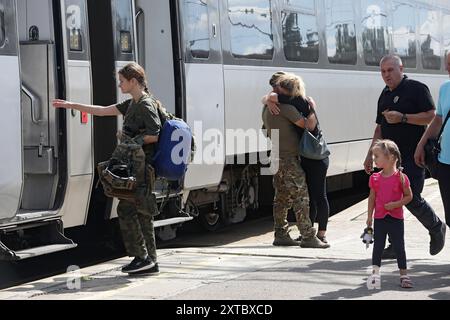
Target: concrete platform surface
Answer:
[[240, 263]]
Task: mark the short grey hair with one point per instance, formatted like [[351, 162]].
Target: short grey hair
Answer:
[[392, 57]]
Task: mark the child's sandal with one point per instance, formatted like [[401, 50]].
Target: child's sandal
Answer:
[[405, 282]]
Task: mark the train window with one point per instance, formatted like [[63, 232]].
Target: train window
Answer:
[[197, 29], [251, 29], [341, 32], [124, 30], [301, 34], [430, 42], [404, 33], [446, 32], [76, 27], [374, 31], [2, 27]]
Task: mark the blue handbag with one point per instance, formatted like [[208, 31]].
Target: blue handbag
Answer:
[[312, 147]]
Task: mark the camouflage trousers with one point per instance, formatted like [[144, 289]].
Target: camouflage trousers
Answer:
[[291, 191], [137, 230]]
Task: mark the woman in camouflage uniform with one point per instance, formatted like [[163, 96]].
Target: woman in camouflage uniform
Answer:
[[143, 125]]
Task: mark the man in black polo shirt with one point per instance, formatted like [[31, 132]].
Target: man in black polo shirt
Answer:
[[405, 108]]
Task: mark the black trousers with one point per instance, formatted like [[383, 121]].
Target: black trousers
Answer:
[[418, 206], [444, 186], [395, 228], [316, 174]]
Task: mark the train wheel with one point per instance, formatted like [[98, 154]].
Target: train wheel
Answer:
[[209, 219]]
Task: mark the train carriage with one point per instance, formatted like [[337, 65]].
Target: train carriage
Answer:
[[209, 62]]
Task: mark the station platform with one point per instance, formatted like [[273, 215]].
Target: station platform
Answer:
[[240, 263]]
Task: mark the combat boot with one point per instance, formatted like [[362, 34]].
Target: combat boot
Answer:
[[313, 242], [284, 241]]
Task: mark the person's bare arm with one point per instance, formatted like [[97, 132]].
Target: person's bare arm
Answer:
[[431, 132], [370, 208], [419, 119], [271, 101], [94, 110], [368, 163]]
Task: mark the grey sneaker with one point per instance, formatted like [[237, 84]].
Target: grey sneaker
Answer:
[[314, 242], [284, 241]]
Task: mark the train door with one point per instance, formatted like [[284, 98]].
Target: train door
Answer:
[[113, 46], [156, 47], [204, 90], [56, 146], [10, 121], [79, 126]]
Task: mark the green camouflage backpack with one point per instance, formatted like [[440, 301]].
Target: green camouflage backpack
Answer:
[[127, 176]]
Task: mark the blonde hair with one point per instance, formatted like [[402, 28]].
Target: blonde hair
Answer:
[[293, 84], [390, 148]]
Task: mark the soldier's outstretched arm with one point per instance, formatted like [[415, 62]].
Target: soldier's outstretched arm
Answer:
[[94, 110]]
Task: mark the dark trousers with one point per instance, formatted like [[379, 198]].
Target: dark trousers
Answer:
[[395, 228], [418, 206], [316, 174], [444, 186]]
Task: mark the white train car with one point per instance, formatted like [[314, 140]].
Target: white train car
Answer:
[[209, 62]]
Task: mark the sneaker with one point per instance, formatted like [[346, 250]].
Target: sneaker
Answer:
[[285, 241], [374, 282], [323, 239], [138, 264], [438, 240], [149, 272], [389, 253], [314, 242]]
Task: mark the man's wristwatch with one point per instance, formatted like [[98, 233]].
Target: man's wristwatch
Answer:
[[404, 118]]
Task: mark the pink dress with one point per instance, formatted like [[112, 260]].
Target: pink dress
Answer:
[[388, 189]]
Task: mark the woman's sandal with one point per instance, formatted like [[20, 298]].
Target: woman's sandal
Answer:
[[405, 282]]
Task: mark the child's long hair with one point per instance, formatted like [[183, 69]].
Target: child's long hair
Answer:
[[390, 148]]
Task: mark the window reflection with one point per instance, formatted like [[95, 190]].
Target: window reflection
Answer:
[[446, 32], [341, 34], [404, 33], [251, 28], [430, 42], [375, 31], [300, 36], [197, 31]]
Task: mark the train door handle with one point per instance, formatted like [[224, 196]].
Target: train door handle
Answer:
[[34, 103], [214, 30]]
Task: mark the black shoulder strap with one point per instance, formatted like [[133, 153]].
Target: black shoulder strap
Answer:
[[443, 126], [315, 113]]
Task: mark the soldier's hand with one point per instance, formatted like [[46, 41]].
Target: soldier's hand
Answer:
[[58, 103], [368, 164], [393, 117]]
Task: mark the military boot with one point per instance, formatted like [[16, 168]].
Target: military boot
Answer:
[[284, 240], [313, 242]]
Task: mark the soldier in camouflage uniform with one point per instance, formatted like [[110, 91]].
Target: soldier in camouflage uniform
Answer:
[[289, 182], [142, 124]]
